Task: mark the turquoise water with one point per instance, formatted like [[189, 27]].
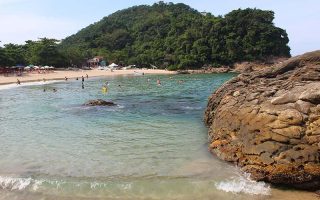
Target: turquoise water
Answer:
[[152, 145]]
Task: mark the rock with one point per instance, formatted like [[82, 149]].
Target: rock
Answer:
[[268, 122], [99, 102]]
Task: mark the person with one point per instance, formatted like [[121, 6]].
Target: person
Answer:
[[82, 79], [77, 78], [18, 82], [44, 89], [65, 78], [158, 82], [87, 76], [106, 83], [148, 79], [54, 90]]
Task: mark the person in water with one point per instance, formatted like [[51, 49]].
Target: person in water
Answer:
[[158, 82], [54, 90], [82, 86], [82, 79], [18, 82], [77, 78], [65, 78]]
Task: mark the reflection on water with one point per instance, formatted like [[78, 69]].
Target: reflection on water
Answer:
[[152, 145]]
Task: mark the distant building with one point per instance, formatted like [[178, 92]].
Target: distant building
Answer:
[[204, 13], [94, 62]]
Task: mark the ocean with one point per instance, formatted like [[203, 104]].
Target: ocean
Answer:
[[151, 145]]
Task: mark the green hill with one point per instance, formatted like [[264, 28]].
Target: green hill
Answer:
[[177, 36]]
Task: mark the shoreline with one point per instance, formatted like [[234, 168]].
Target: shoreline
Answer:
[[70, 74]]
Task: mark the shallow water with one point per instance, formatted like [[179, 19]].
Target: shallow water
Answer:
[[152, 145]]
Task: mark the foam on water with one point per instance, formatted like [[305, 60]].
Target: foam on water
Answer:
[[14, 85], [243, 184]]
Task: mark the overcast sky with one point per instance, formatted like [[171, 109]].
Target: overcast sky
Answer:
[[21, 20]]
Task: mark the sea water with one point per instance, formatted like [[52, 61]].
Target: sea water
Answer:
[[151, 145]]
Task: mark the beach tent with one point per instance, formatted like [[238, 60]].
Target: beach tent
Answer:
[[46, 67], [41, 67], [36, 67], [51, 67], [113, 65], [27, 68]]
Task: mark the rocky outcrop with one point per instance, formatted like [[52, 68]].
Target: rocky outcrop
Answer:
[[268, 122], [99, 102]]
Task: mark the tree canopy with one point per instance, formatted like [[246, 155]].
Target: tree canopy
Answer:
[[167, 35]]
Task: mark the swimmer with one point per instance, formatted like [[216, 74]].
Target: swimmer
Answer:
[[54, 90], [82, 79], [158, 82]]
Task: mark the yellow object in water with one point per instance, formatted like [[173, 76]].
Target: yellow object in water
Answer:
[[104, 90]]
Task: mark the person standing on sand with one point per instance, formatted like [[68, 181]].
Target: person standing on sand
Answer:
[[87, 76]]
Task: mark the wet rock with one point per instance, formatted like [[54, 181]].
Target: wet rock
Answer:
[[99, 102], [268, 122]]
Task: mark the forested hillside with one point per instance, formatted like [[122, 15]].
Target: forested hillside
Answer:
[[167, 35], [177, 36]]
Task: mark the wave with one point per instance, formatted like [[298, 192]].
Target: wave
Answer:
[[14, 85], [243, 184]]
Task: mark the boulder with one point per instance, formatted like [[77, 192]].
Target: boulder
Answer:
[[268, 122], [99, 102]]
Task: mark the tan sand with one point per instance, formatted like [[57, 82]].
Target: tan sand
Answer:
[[58, 75]]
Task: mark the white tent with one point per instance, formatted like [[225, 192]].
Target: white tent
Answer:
[[41, 67], [113, 65], [51, 67], [36, 67], [27, 68], [46, 67]]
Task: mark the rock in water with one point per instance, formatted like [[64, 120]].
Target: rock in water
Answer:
[[268, 122], [99, 102]]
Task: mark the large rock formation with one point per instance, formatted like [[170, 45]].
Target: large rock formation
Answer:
[[268, 122]]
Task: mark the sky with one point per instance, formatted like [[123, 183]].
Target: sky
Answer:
[[22, 20]]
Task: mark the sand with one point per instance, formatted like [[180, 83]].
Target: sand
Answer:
[[59, 75]]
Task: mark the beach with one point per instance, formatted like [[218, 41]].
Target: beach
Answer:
[[59, 75]]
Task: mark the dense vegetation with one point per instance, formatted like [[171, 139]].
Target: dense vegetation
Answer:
[[41, 52], [167, 35]]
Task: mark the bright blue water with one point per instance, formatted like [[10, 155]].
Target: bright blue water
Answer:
[[152, 145]]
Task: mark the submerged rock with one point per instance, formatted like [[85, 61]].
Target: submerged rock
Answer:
[[268, 122], [99, 102]]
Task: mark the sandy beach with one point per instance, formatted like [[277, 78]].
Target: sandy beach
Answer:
[[58, 75]]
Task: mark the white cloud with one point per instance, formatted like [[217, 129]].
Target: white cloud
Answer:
[[17, 28]]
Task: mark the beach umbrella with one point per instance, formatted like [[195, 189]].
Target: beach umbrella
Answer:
[[27, 68], [46, 67], [41, 67], [36, 67], [51, 67]]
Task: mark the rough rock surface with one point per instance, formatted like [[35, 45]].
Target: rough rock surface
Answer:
[[99, 102], [268, 122]]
